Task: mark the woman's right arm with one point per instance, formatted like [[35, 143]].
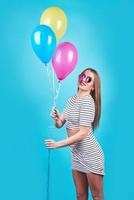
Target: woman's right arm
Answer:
[[59, 119]]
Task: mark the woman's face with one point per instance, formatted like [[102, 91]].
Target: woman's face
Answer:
[[84, 82]]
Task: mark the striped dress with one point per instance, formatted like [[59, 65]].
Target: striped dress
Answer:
[[87, 155]]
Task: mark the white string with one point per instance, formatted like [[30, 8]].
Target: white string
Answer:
[[49, 73], [51, 86], [53, 83], [57, 93]]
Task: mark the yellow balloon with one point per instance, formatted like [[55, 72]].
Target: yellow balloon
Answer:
[[56, 19]]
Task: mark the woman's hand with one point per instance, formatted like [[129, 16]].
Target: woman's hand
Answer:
[[55, 114], [51, 144]]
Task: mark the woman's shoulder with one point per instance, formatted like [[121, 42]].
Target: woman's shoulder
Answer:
[[70, 99], [88, 100]]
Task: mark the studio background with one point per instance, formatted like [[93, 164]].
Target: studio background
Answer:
[[103, 34]]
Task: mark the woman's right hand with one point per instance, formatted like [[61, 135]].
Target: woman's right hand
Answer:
[[55, 114]]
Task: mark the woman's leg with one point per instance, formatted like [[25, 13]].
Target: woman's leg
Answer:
[[95, 182], [81, 184]]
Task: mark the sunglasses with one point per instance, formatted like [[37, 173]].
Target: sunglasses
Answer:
[[88, 78]]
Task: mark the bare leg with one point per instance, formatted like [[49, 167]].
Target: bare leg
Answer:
[[95, 182], [81, 184]]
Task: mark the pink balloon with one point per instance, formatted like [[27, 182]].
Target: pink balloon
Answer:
[[64, 60]]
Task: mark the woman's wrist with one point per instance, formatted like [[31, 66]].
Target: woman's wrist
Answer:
[[58, 122], [61, 143], [57, 119]]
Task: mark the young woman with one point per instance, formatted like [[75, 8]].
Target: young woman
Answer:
[[82, 115]]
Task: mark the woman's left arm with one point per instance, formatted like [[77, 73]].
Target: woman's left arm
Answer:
[[83, 131], [87, 113]]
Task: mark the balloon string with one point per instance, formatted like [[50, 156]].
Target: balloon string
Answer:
[[57, 93], [51, 78], [53, 84], [49, 73], [48, 175]]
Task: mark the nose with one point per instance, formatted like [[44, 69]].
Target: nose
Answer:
[[84, 79]]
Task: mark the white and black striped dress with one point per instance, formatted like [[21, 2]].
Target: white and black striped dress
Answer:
[[87, 155]]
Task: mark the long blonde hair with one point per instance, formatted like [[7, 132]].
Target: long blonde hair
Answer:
[[96, 94]]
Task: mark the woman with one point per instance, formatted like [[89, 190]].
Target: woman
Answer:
[[82, 115]]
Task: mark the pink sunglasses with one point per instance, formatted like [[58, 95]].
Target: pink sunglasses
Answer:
[[88, 78]]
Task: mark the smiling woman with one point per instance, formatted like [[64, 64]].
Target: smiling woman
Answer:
[[81, 115]]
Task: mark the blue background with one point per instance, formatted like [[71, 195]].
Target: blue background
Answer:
[[103, 33]]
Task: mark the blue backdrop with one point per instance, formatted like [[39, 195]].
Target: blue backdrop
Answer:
[[103, 34]]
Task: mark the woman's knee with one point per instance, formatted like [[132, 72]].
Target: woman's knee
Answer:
[[97, 195], [82, 195]]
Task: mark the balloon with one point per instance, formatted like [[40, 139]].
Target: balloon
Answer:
[[64, 59], [56, 19], [43, 42]]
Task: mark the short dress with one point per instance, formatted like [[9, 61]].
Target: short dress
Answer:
[[87, 155]]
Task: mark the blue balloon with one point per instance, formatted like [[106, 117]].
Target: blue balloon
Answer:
[[43, 42]]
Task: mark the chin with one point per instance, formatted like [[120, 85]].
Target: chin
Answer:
[[82, 87]]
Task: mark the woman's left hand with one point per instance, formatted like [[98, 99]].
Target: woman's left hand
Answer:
[[51, 144]]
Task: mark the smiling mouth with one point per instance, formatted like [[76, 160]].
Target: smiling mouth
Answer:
[[81, 83]]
